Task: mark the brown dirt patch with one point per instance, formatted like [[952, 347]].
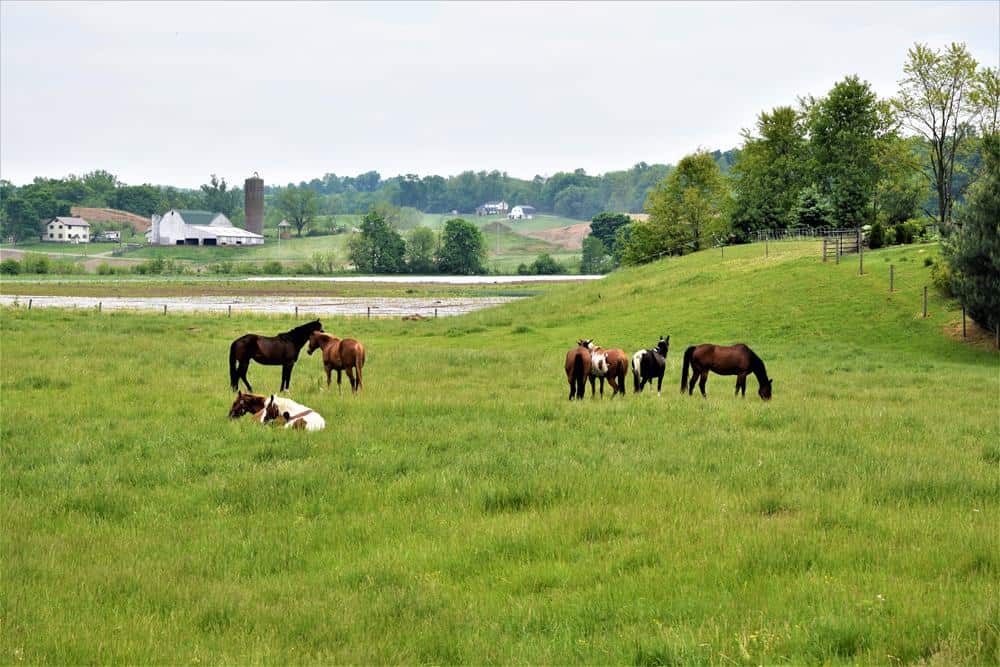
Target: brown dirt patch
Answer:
[[975, 335], [570, 237]]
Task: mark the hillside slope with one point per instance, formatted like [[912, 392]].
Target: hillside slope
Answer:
[[461, 510]]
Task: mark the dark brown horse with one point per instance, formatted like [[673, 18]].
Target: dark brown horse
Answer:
[[247, 404], [339, 355], [281, 350], [611, 364], [738, 360], [578, 369]]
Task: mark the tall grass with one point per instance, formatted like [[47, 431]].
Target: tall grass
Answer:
[[462, 511]]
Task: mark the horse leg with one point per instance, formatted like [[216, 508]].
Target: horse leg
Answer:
[[741, 384], [339, 388], [602, 386], [241, 374], [695, 372], [327, 370], [592, 383], [350, 376], [286, 377], [659, 383], [701, 383]]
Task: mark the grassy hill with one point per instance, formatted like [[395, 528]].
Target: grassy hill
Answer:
[[462, 510]]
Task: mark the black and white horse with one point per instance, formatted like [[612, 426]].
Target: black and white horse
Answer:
[[649, 364]]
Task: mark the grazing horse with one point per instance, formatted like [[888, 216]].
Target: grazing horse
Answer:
[[294, 415], [578, 369], [281, 350], [738, 360], [611, 364], [339, 355], [649, 364]]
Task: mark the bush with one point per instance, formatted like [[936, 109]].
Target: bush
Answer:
[[105, 269], [907, 232], [876, 237], [941, 278], [544, 264], [10, 267], [36, 264], [273, 268]]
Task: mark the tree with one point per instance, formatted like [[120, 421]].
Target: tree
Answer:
[[595, 256], [975, 256], [605, 226], [420, 247], [844, 130], [463, 250], [298, 205], [217, 197], [101, 186], [770, 171], [20, 219], [688, 211], [985, 97], [934, 101], [140, 199], [378, 248], [812, 209]]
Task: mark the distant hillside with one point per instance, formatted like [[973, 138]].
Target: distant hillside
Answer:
[[139, 223]]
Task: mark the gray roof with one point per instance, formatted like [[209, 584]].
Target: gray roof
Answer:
[[197, 217], [71, 222]]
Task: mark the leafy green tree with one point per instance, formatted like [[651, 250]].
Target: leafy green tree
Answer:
[[936, 102], [812, 209], [420, 247], [688, 210], [605, 226], [299, 206], [463, 250], [770, 171], [545, 265], [20, 219], [975, 256], [217, 196], [378, 248], [596, 258], [578, 202], [140, 199], [844, 130]]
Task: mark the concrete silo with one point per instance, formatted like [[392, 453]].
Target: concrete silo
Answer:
[[253, 192]]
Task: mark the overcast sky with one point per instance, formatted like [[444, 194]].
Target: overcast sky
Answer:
[[170, 93]]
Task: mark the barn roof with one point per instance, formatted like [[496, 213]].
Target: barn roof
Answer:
[[193, 217], [71, 222]]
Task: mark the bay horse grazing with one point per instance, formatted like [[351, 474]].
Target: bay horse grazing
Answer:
[[738, 360], [339, 355], [611, 364], [281, 350], [578, 369], [649, 364]]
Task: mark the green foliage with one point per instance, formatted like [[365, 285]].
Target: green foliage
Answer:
[[604, 227], [844, 128], [378, 248], [974, 257], [596, 258], [543, 265], [10, 267], [688, 210], [941, 278], [272, 268], [770, 172], [812, 209], [217, 196], [421, 245], [877, 236], [299, 206], [463, 249]]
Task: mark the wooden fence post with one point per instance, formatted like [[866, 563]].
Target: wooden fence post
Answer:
[[435, 313], [765, 246], [230, 310], [296, 311], [925, 301], [164, 309], [824, 249], [369, 312], [861, 255], [963, 320], [891, 277], [98, 306], [29, 304]]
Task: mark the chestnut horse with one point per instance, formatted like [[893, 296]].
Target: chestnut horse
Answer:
[[612, 364], [339, 355], [578, 369], [248, 404], [738, 360], [281, 350]]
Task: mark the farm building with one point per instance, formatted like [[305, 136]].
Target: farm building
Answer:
[[177, 227], [521, 213], [67, 230], [493, 208]]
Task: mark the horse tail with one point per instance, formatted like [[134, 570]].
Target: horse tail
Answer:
[[688, 353], [233, 376], [359, 362], [636, 363], [578, 369]]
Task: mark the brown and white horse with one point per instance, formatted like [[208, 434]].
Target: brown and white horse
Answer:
[[578, 369], [339, 355], [611, 364], [738, 360]]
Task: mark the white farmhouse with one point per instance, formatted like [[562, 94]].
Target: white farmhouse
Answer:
[[521, 213], [67, 230], [179, 227]]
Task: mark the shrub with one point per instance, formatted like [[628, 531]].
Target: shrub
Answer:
[[273, 268], [544, 264], [36, 264], [941, 278], [10, 267], [908, 231], [876, 237], [928, 261], [105, 269]]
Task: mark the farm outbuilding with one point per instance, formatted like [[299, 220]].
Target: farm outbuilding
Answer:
[[521, 213], [179, 227]]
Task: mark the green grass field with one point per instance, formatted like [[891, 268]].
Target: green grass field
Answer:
[[461, 510]]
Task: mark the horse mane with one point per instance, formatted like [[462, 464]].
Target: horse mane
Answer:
[[300, 334], [756, 365]]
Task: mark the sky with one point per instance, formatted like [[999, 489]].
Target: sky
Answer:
[[169, 93]]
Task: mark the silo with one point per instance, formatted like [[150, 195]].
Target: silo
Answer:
[[253, 192]]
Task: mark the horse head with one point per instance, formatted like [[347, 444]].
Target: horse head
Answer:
[[314, 341], [663, 346], [586, 342], [765, 390], [245, 403]]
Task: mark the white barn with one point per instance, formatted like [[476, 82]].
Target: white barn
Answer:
[[67, 230], [179, 227], [521, 213]]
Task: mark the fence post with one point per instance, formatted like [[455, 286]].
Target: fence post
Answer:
[[435, 313], [963, 320], [98, 306], [765, 246], [861, 255], [369, 312], [824, 249], [925, 301], [892, 276], [29, 304], [723, 249], [230, 310], [164, 309], [838, 250]]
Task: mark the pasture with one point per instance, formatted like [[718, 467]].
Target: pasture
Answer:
[[461, 510]]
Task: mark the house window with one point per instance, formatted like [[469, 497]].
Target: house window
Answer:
[[51, 235], [60, 236]]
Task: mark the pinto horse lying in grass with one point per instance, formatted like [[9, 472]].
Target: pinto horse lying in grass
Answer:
[[339, 355], [738, 360], [612, 364], [275, 408]]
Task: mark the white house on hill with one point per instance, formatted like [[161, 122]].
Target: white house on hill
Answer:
[[67, 230], [178, 227], [521, 213]]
